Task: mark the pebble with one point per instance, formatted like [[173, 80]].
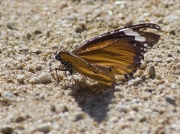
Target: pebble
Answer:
[[135, 82], [7, 130], [178, 66], [158, 77], [41, 96], [151, 71], [78, 29], [89, 2], [20, 79], [53, 108], [44, 128], [122, 108], [173, 85], [37, 32], [43, 78], [171, 100], [70, 41], [169, 60], [18, 119], [7, 95], [28, 36], [79, 116], [11, 25], [20, 65], [63, 4], [23, 48], [143, 65], [9, 51], [178, 81], [149, 89], [38, 68]]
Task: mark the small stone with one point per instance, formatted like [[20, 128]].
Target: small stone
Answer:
[[149, 89], [31, 69], [7, 130], [9, 51], [122, 108], [169, 55], [65, 109], [173, 85], [169, 60], [178, 81], [37, 32], [178, 66], [38, 68], [143, 65], [55, 45], [130, 82], [7, 95], [28, 36], [63, 4], [10, 25], [23, 48], [41, 96], [158, 82], [20, 66], [43, 78], [20, 79], [53, 108], [135, 82], [78, 29], [79, 116], [89, 2], [44, 128], [19, 119], [158, 77], [151, 71], [171, 100], [37, 51], [70, 41], [142, 119]]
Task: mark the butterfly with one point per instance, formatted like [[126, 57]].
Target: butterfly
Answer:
[[117, 52]]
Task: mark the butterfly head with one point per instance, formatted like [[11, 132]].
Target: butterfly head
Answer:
[[67, 65]]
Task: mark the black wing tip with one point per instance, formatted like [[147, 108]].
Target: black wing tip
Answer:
[[153, 26], [145, 25]]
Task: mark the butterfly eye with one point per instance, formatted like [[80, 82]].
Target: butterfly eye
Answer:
[[57, 57]]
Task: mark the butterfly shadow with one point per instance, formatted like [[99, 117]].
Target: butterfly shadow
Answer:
[[94, 100]]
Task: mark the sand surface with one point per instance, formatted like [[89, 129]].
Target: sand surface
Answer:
[[30, 101]]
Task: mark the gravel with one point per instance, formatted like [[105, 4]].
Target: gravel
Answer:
[[31, 101]]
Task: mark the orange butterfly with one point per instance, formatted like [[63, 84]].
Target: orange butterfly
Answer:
[[118, 52]]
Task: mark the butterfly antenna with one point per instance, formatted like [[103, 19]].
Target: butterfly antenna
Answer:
[[50, 69], [74, 80]]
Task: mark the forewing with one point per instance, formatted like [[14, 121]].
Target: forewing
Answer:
[[118, 53], [105, 39]]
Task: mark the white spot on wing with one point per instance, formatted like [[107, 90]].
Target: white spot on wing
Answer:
[[145, 45], [137, 36], [130, 32], [140, 38]]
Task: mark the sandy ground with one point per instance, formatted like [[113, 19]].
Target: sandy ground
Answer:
[[30, 101]]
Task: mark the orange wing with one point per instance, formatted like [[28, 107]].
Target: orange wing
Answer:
[[118, 53], [84, 68]]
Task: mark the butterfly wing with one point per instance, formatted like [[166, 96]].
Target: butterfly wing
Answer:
[[84, 68], [118, 52]]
